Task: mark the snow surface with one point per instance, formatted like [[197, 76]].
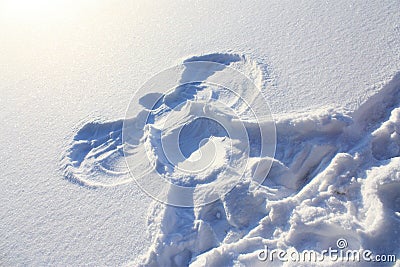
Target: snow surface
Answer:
[[329, 71], [335, 175]]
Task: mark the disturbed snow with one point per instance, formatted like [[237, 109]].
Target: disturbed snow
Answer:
[[335, 175]]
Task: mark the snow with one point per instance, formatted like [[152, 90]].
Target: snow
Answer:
[[330, 182], [329, 72]]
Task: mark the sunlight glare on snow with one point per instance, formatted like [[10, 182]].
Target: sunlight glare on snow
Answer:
[[33, 9]]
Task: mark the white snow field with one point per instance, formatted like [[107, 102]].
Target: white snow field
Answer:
[[330, 72]]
